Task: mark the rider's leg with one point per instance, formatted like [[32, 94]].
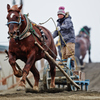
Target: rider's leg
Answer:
[[71, 53]]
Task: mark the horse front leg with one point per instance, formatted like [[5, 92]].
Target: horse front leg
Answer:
[[28, 65], [12, 61], [36, 77]]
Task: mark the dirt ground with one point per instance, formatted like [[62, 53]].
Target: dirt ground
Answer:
[[80, 95], [92, 72]]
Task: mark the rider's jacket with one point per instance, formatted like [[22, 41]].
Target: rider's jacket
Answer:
[[67, 30]]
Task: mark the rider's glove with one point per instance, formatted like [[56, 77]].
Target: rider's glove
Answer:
[[58, 28]]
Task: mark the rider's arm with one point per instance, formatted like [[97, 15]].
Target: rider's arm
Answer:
[[68, 24], [55, 34]]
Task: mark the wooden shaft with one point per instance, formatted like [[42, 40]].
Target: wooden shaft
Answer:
[[47, 54]]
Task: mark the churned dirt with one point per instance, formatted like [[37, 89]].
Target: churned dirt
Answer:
[[92, 72]]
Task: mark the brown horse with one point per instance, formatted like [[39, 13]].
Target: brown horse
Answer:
[[21, 45], [82, 44]]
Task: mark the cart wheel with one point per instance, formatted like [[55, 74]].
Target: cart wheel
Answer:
[[77, 61], [72, 87]]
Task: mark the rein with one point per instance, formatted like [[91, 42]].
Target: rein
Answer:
[[27, 31]]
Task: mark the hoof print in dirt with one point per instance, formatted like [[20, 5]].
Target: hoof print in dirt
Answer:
[[28, 90], [54, 90]]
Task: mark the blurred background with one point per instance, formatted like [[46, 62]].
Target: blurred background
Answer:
[[83, 12]]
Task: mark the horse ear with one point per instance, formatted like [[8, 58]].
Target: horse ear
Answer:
[[8, 7], [20, 7]]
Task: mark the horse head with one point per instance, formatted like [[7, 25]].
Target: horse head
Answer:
[[14, 18], [85, 31]]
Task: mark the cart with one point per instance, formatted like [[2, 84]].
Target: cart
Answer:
[[61, 81]]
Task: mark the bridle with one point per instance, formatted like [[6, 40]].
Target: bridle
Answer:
[[15, 22]]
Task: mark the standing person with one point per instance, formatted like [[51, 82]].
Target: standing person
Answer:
[[67, 35]]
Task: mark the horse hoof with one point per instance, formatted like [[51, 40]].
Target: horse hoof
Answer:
[[35, 88], [21, 87], [19, 74], [52, 86]]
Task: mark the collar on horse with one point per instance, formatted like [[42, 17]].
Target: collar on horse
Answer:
[[26, 32]]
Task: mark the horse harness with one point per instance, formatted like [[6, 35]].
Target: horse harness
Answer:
[[28, 30]]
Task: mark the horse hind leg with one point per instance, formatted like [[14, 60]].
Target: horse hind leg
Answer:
[[81, 61], [36, 77], [89, 56], [82, 58], [52, 71]]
